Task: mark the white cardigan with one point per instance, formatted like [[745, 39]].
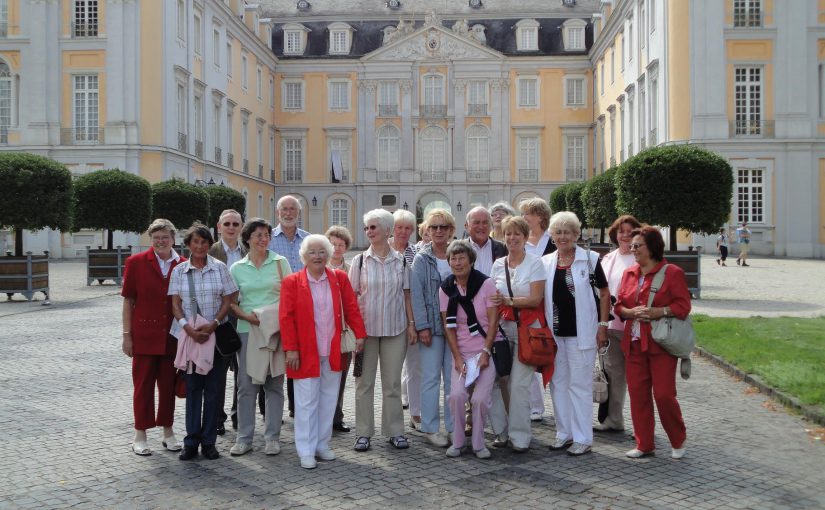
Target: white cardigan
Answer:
[[587, 316]]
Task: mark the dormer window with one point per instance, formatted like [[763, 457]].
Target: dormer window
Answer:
[[573, 34], [295, 39], [340, 38], [527, 35]]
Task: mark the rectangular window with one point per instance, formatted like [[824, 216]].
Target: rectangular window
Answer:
[[293, 95], [216, 126], [601, 75], [747, 13], [229, 138], [478, 92], [612, 136], [216, 47], [293, 159], [575, 92], [654, 110], [244, 71], [339, 153], [85, 18], [631, 132], [198, 29], [529, 39], [642, 118], [245, 144], [5, 102], [181, 103], [339, 212], [612, 65], [259, 83], [338, 95], [292, 42], [229, 59], [338, 41], [621, 61], [629, 39], [652, 16], [750, 194], [85, 119], [621, 132], [182, 20], [528, 92], [576, 35], [575, 158], [4, 18], [528, 158], [271, 156], [198, 114], [748, 100], [259, 142], [433, 90], [387, 99]]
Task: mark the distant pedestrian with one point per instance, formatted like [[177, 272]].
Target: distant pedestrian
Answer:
[[722, 247], [743, 236]]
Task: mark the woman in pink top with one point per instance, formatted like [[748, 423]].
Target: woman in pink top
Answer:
[[471, 320]]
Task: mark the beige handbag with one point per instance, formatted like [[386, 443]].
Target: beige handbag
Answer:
[[347, 336], [599, 382]]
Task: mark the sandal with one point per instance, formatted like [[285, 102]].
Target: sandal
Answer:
[[362, 444], [141, 448], [400, 442]]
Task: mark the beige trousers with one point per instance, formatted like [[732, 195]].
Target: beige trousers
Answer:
[[390, 351]]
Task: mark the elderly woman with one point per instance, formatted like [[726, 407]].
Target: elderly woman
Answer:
[[380, 277], [579, 325], [312, 343], [525, 292], [403, 227], [202, 291], [471, 320], [536, 213], [651, 369], [341, 240], [423, 234], [146, 316], [614, 265], [429, 269], [499, 212], [259, 276]]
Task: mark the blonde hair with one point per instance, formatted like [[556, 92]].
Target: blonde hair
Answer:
[[539, 207], [443, 213]]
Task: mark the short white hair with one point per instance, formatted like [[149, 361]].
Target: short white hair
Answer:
[[286, 198], [502, 206], [384, 218], [566, 219], [479, 210], [311, 240], [403, 216]]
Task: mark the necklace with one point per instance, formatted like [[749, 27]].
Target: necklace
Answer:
[[566, 260]]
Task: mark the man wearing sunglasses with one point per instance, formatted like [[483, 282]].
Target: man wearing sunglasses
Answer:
[[228, 249]]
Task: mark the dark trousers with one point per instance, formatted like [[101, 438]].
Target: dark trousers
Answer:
[[723, 252], [290, 395], [346, 359], [202, 405]]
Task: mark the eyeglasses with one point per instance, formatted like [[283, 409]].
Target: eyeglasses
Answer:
[[439, 227], [636, 246], [231, 224], [317, 253], [160, 239], [370, 227]]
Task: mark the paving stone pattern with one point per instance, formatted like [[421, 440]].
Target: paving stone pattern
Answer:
[[65, 413]]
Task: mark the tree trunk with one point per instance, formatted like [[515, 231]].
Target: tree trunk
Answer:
[[18, 242], [109, 238], [673, 238], [601, 236]]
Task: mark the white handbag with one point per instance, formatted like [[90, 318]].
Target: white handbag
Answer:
[[599, 383], [676, 336]]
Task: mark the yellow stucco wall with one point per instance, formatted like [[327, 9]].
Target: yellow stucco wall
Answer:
[[151, 75], [12, 58], [678, 93], [14, 18], [151, 166], [83, 62], [821, 12]]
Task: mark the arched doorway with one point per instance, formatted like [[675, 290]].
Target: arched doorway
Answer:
[[431, 200]]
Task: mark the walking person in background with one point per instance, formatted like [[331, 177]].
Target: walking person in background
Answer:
[[743, 236], [341, 240], [722, 247]]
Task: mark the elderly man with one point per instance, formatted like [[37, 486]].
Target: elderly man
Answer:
[[479, 224], [228, 249]]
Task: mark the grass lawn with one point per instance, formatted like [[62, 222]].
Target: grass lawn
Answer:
[[788, 353]]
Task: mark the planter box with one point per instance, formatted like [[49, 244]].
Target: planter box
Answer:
[[106, 265], [25, 275]]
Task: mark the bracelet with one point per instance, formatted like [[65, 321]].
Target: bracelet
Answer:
[[604, 324], [182, 322], [411, 323], [127, 332], [217, 321], [487, 351]]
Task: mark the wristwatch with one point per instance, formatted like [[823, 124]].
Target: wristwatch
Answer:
[[604, 323]]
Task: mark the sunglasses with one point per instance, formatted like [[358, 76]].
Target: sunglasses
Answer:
[[231, 224], [439, 227], [636, 246], [370, 227]]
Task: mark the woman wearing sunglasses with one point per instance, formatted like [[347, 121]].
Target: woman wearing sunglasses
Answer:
[[380, 278]]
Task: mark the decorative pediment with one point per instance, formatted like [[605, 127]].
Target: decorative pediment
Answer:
[[433, 42]]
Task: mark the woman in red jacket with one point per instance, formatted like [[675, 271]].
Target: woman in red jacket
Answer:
[[650, 369], [312, 343], [147, 317]]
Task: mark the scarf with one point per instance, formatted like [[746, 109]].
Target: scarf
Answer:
[[450, 288]]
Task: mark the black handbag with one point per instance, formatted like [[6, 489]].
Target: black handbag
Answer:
[[502, 356], [227, 341]]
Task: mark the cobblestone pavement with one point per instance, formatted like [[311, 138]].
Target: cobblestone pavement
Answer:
[[65, 413]]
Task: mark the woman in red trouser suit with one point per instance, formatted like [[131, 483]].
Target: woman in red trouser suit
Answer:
[[650, 369], [147, 316]]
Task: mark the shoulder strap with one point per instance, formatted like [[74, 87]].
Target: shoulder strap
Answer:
[[192, 295], [280, 270], [656, 284], [510, 287]]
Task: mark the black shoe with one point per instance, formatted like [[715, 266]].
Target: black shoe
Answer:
[[210, 452], [221, 429], [341, 427], [188, 453]]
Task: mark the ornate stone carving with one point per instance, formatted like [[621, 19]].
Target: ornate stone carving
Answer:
[[461, 27], [478, 34], [432, 19], [406, 86], [459, 86]]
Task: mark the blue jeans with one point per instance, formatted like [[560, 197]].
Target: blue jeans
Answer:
[[436, 365], [202, 405]]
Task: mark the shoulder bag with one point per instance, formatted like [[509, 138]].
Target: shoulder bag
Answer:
[[536, 346], [227, 341], [676, 336], [347, 336]]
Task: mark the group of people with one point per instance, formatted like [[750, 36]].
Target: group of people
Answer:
[[428, 315], [743, 238]]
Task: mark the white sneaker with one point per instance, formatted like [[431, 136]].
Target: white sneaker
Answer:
[[678, 453], [636, 453], [484, 453], [578, 449], [325, 454], [308, 462], [437, 439], [561, 444], [452, 451], [240, 448], [536, 416], [271, 448]]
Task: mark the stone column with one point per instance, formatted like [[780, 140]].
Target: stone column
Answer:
[[458, 148], [405, 87], [504, 134], [369, 123], [496, 142]]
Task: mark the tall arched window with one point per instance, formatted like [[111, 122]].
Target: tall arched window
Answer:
[[389, 146], [6, 101], [478, 153], [433, 154]]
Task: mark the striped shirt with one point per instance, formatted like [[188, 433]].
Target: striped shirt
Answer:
[[380, 287], [281, 245], [211, 284], [322, 311]]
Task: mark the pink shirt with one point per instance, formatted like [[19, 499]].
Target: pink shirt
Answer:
[[470, 345], [614, 265], [322, 309]]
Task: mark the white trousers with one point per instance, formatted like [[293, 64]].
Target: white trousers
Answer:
[[315, 400], [572, 390], [537, 394], [411, 380]]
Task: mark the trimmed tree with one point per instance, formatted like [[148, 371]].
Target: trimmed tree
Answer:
[[681, 186], [222, 198], [599, 201], [180, 202], [113, 200], [558, 198], [573, 201], [37, 193]]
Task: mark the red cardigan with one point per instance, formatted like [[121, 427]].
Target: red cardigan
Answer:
[[674, 293], [297, 319], [152, 314]]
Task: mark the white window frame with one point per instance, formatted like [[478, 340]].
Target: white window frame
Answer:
[[259, 83], [528, 142], [259, 149], [642, 28], [230, 120], [197, 29], [621, 60], [601, 76], [387, 97], [571, 88], [8, 83], [575, 154], [477, 152], [295, 39], [288, 86], [216, 125], [271, 92], [197, 117], [433, 91], [85, 17], [749, 11], [612, 65], [334, 95], [754, 188], [339, 215], [748, 120], [388, 150], [245, 140], [293, 153], [524, 102], [432, 148], [651, 16], [88, 94], [573, 35], [477, 93], [527, 35], [216, 47], [229, 58], [343, 144], [629, 39], [642, 120], [340, 38], [181, 21]]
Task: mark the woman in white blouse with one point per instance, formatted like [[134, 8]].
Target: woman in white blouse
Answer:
[[527, 283]]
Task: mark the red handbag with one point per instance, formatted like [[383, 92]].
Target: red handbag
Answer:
[[536, 346], [180, 384]]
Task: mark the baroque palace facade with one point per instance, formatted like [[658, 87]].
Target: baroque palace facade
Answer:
[[357, 104]]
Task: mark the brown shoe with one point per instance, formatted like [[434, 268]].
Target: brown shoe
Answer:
[[468, 430]]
